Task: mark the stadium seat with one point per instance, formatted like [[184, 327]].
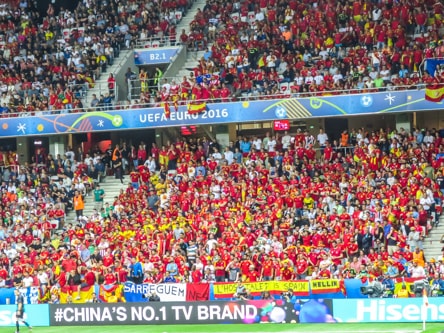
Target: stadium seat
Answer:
[[235, 17], [251, 17], [178, 15], [284, 87]]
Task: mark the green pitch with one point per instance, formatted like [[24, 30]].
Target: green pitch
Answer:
[[239, 328]]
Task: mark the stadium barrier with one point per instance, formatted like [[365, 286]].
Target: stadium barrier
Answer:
[[168, 292], [388, 310], [159, 313], [384, 310], [35, 314], [41, 123]]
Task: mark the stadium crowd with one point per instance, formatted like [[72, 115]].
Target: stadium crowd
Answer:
[[279, 207], [47, 62], [270, 208], [259, 49]]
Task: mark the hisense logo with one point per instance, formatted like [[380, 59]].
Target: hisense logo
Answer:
[[379, 310]]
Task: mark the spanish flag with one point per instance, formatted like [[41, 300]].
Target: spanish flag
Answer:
[[111, 293], [434, 93], [196, 106], [166, 109], [70, 294], [176, 104]]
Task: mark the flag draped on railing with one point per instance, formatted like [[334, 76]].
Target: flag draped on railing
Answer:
[[434, 93], [197, 106], [166, 109]]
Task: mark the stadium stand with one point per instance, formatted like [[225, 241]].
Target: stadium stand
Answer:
[[290, 207], [255, 49]]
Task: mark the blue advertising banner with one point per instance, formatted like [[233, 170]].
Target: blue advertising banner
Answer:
[[386, 310], [35, 315], [155, 55], [219, 113], [31, 295]]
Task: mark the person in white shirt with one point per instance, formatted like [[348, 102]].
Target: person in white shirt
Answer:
[[286, 140], [299, 79], [323, 53], [27, 280], [217, 155], [416, 271], [322, 138], [228, 155], [376, 14], [150, 163], [318, 78], [337, 76], [385, 73], [428, 138], [272, 144], [260, 16], [309, 140], [257, 143], [43, 278]]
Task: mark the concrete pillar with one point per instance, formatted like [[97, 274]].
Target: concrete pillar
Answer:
[[232, 132], [23, 149], [57, 145], [403, 120], [222, 135]]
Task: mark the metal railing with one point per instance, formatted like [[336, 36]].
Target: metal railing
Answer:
[[101, 87], [156, 42], [124, 105]]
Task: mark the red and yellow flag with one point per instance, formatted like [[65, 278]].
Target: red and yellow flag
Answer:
[[434, 93], [166, 109], [196, 106]]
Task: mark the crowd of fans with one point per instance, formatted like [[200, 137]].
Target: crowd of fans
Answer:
[[273, 208], [258, 49], [270, 208], [48, 61]]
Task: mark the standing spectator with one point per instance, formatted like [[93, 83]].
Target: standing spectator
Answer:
[[79, 204], [135, 271], [99, 194]]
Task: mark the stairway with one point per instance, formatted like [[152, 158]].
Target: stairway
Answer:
[[192, 56], [101, 84], [188, 18], [111, 186], [432, 244]]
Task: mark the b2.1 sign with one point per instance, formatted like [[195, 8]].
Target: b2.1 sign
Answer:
[[155, 56]]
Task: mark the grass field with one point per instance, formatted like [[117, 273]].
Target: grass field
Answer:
[[241, 328]]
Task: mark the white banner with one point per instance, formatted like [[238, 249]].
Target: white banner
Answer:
[[168, 292]]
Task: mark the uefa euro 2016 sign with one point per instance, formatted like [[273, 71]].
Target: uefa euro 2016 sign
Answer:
[[47, 123]]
